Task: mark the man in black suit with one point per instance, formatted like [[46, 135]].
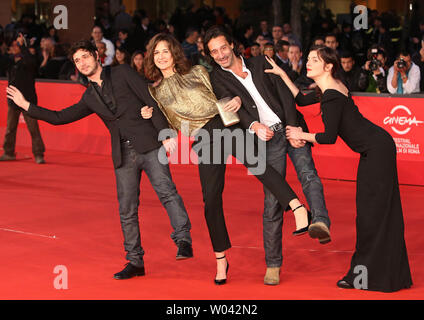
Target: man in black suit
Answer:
[[21, 73], [267, 108], [115, 95]]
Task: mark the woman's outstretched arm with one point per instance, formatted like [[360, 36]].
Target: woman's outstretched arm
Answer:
[[301, 100]]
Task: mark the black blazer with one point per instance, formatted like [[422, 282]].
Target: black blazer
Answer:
[[271, 87], [131, 93]]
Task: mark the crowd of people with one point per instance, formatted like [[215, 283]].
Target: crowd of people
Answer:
[[375, 60]]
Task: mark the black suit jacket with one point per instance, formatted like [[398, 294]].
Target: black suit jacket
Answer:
[[271, 87], [131, 93]]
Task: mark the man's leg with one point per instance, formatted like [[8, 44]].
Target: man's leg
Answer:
[[273, 176], [276, 150], [128, 188], [311, 183], [155, 164], [38, 148], [10, 135]]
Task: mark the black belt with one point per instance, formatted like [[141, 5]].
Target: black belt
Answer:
[[277, 127]]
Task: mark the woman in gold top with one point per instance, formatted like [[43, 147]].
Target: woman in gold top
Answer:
[[184, 94]]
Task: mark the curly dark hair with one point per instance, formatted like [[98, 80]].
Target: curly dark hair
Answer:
[[182, 64], [85, 45]]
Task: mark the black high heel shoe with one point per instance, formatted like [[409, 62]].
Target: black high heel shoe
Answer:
[[305, 229], [222, 281]]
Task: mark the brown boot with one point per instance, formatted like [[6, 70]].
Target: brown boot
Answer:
[[272, 276], [319, 230]]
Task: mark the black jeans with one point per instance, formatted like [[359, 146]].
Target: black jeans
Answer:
[[9, 144], [128, 178]]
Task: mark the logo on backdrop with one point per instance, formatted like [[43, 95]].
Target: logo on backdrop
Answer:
[[401, 120]]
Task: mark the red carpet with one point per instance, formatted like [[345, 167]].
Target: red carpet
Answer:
[[66, 213]]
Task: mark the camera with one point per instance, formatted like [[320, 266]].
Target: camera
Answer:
[[401, 63], [374, 63], [12, 35]]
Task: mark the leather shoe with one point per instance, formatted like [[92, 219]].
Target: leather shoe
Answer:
[[319, 230], [129, 271], [272, 276], [7, 157], [185, 250], [344, 284]]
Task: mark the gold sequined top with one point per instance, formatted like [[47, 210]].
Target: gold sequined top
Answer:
[[187, 101]]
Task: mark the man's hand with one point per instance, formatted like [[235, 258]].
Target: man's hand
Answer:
[[395, 67], [170, 145], [17, 97], [293, 133], [367, 65], [233, 105], [262, 131], [20, 39], [146, 112]]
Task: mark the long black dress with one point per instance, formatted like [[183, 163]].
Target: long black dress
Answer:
[[380, 243]]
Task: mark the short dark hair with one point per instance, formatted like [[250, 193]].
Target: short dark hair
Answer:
[[190, 31], [280, 44], [404, 52], [318, 38], [346, 54], [123, 30], [215, 32], [330, 35], [85, 45]]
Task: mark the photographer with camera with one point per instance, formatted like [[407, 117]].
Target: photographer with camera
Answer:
[[376, 70], [404, 76], [21, 72]]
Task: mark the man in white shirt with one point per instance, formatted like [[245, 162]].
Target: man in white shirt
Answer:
[[404, 76], [97, 35], [267, 107]]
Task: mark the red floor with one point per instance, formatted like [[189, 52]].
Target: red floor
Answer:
[[66, 213]]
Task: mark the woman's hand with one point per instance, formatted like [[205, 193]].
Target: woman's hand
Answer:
[[170, 145], [146, 112], [275, 68], [294, 133], [17, 97], [233, 105]]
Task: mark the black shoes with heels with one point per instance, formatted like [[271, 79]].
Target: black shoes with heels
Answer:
[[222, 281], [305, 229]]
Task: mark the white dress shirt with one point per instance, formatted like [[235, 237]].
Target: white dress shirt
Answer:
[[412, 85], [266, 115], [110, 51]]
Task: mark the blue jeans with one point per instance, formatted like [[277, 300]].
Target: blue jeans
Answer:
[[277, 148], [128, 178]]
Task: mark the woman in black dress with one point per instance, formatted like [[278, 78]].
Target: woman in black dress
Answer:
[[380, 243]]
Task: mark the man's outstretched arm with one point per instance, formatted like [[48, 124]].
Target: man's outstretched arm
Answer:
[[67, 115]]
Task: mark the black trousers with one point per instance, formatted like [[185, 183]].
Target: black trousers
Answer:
[[9, 144], [212, 176]]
